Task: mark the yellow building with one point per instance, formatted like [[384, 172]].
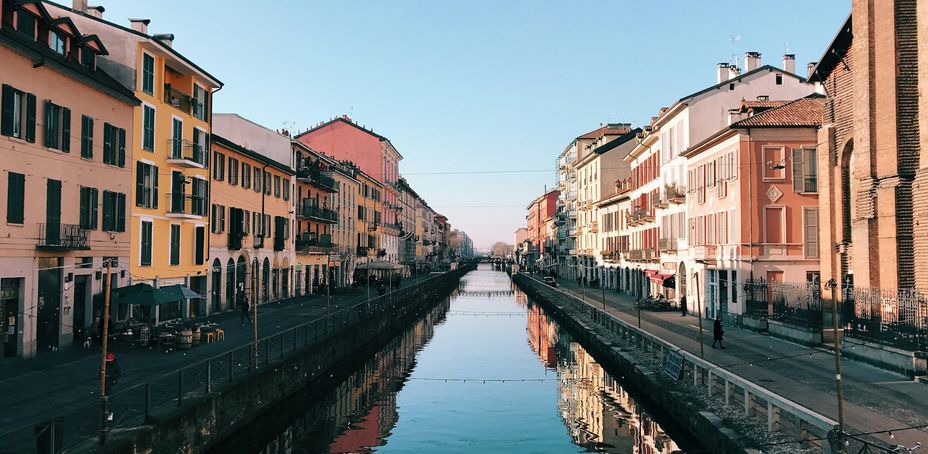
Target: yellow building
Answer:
[[316, 217], [170, 203], [344, 233], [368, 224], [250, 240]]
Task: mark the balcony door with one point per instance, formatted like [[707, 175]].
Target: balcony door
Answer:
[[53, 213], [177, 129], [178, 182]]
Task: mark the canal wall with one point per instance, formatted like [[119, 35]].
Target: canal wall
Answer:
[[198, 423], [720, 409]]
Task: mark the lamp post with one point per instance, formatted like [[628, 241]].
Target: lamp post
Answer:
[[104, 400], [839, 385], [699, 315]]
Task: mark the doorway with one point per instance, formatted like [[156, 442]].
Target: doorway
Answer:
[[49, 304], [10, 319], [774, 278], [80, 325]]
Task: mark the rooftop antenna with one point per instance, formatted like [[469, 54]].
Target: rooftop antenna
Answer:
[[734, 56]]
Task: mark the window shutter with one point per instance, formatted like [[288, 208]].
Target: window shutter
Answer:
[[6, 117], [93, 208], [84, 211], [65, 129], [48, 123], [15, 196], [798, 177], [107, 211], [30, 117], [120, 212], [139, 184], [154, 187], [122, 147]]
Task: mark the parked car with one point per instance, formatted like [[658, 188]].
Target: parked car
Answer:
[[550, 280]]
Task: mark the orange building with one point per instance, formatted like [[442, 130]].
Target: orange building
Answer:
[[537, 215]]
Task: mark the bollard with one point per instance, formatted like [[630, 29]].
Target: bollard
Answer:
[[180, 387]]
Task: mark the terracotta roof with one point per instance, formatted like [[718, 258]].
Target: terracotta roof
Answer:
[[835, 53], [760, 104], [803, 112]]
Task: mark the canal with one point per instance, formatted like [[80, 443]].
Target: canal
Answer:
[[485, 370]]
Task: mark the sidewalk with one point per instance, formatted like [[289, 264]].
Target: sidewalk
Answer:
[[875, 399], [33, 390]]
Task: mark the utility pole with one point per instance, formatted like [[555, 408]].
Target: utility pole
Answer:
[[328, 293], [699, 315], [602, 285], [104, 399], [833, 286]]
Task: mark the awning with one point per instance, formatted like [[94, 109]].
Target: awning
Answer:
[[663, 278]]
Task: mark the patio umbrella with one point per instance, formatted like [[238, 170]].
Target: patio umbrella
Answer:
[[379, 265], [181, 290], [145, 295]]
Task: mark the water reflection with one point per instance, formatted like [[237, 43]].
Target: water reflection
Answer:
[[411, 396], [599, 414]]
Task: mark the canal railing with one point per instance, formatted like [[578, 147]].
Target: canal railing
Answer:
[[76, 427], [779, 413]]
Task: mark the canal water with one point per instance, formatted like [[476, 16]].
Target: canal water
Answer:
[[485, 371]]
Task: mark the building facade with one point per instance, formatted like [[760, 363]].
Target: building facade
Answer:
[[66, 134], [316, 218]]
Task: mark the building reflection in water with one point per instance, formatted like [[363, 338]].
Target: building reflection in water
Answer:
[[598, 413], [360, 412]]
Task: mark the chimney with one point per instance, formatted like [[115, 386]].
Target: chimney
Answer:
[[79, 6], [789, 63], [733, 116], [751, 61], [733, 71], [722, 72], [166, 38], [95, 11], [810, 68], [140, 25]]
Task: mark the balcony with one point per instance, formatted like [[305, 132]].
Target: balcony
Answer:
[[667, 245], [361, 251], [594, 227], [310, 243], [178, 99], [675, 194], [235, 241], [185, 153], [63, 237], [185, 206], [259, 241], [396, 227], [662, 203], [314, 176], [707, 255], [309, 210]]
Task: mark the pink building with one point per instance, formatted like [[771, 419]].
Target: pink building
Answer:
[[753, 202], [537, 215], [344, 139]]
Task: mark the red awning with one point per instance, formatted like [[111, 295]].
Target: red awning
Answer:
[[658, 277]]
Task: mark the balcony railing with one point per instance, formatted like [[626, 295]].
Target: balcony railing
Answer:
[[310, 243], [309, 210], [397, 226], [180, 100], [667, 244], [259, 241], [316, 177], [184, 205], [63, 236], [674, 194], [361, 251], [186, 152]]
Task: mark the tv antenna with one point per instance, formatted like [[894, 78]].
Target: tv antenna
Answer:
[[734, 55]]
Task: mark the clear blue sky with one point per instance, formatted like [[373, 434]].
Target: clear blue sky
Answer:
[[476, 85]]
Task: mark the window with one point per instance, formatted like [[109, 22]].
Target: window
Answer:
[[701, 184], [114, 211], [148, 128], [18, 118], [810, 246], [177, 138], [219, 166], [199, 196], [218, 217], [145, 256], [175, 244], [15, 197], [774, 224], [779, 79], [286, 193], [88, 208], [88, 58], [148, 74], [199, 102], [87, 138], [805, 170], [25, 24], [57, 42], [246, 176], [114, 145], [267, 182], [146, 185], [710, 174], [258, 180], [732, 165], [277, 186], [200, 148], [57, 127], [774, 163], [233, 171], [199, 245]]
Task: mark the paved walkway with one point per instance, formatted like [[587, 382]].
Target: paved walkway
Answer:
[[874, 398], [33, 390]]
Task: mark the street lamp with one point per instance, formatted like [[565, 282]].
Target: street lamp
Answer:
[[833, 286]]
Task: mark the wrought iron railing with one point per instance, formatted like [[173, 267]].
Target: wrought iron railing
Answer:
[[183, 149], [310, 210], [187, 204], [63, 236], [897, 318], [309, 243], [314, 176], [180, 100]]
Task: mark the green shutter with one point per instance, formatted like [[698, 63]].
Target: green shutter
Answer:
[[121, 147], [14, 197], [154, 188], [94, 193], [30, 117], [139, 184], [120, 212], [84, 209], [48, 124], [65, 130], [108, 211], [6, 117]]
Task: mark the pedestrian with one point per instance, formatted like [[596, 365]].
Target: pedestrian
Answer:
[[717, 333], [683, 306], [113, 373], [246, 309], [578, 280]]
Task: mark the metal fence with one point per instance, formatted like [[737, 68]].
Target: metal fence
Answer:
[[793, 304], [76, 427], [897, 318]]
